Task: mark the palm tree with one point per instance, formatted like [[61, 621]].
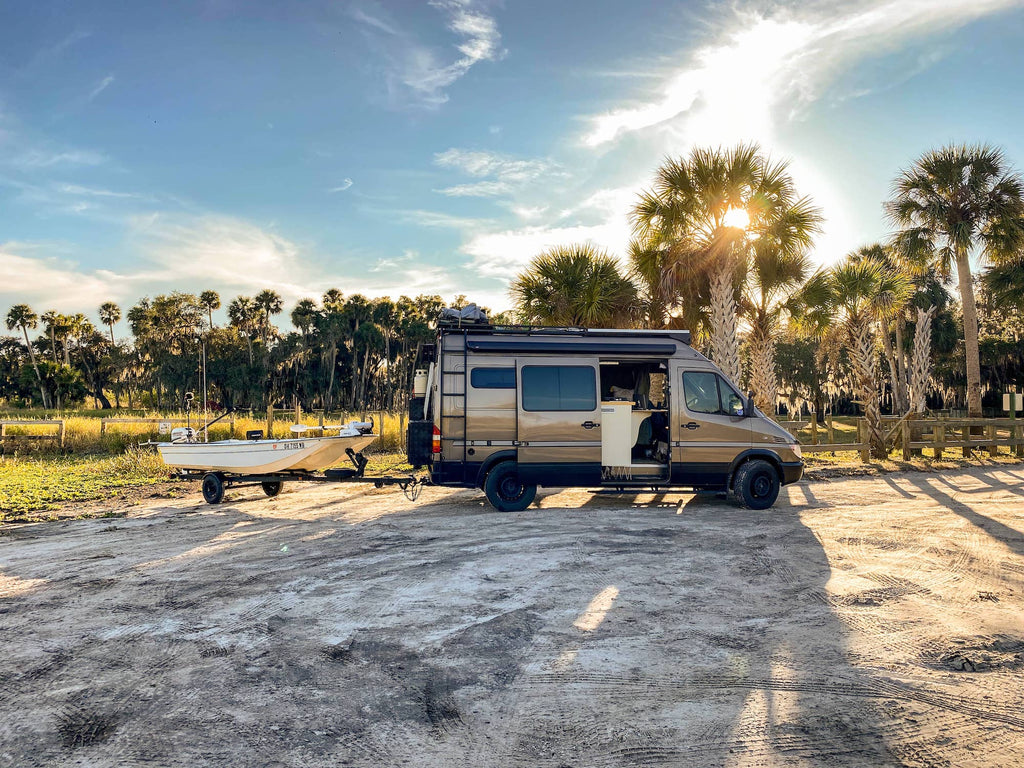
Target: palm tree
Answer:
[[574, 285], [953, 203], [211, 301], [110, 313], [21, 316], [243, 314], [270, 303], [859, 293], [702, 215], [304, 315], [50, 319], [774, 281], [893, 319]]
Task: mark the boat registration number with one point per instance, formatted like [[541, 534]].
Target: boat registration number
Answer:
[[289, 446]]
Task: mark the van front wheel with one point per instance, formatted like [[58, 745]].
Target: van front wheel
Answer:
[[505, 491], [756, 485]]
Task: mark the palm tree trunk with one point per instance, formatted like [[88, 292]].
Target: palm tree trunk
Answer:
[[763, 378], [724, 342], [111, 326], [890, 358], [901, 365], [970, 310], [864, 370], [35, 367], [921, 368]]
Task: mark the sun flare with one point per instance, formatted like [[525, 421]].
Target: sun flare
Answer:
[[738, 218]]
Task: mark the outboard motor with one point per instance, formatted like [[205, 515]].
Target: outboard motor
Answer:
[[183, 435]]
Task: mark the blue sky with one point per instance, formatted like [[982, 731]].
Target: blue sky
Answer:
[[435, 147]]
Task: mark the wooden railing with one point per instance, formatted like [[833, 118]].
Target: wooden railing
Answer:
[[915, 435], [58, 435]]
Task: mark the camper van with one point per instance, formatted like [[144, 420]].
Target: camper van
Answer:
[[510, 408]]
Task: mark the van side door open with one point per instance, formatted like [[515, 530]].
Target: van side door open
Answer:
[[709, 427], [559, 421]]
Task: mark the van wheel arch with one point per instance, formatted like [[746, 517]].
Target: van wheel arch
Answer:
[[489, 464], [749, 455]]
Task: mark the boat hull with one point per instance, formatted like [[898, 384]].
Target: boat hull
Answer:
[[263, 456]]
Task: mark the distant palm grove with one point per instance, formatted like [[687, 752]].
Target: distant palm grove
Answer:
[[724, 245]]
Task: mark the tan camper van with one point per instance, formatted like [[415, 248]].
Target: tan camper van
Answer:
[[511, 408]]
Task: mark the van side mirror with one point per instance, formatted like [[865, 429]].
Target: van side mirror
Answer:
[[748, 406]]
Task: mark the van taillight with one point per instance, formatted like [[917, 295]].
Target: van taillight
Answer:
[[435, 446]]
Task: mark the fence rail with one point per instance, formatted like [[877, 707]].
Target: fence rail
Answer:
[[914, 435], [58, 435]]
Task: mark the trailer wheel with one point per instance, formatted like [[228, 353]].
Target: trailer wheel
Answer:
[[505, 491], [272, 487], [756, 485], [213, 488]]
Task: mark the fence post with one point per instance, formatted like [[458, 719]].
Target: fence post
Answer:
[[831, 429], [103, 427], [905, 439], [321, 419], [993, 450], [862, 438], [298, 411], [231, 425], [60, 433], [939, 439], [270, 422], [814, 428]]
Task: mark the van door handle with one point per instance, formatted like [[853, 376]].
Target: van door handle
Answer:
[[589, 424], [691, 425]]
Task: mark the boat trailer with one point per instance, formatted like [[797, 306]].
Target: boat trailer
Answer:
[[215, 482]]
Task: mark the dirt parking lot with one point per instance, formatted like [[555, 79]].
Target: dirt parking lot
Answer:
[[868, 621]]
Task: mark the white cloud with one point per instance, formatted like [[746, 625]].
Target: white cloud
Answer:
[[730, 89], [345, 184], [417, 73], [503, 174], [76, 189], [100, 87], [42, 158]]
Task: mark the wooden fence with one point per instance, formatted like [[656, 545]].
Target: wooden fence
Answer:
[[914, 435], [58, 435]]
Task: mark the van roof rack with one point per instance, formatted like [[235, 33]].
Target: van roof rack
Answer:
[[552, 330]]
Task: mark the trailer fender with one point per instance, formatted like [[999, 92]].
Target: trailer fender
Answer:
[[488, 465]]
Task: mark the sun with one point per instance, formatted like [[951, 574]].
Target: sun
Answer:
[[737, 218]]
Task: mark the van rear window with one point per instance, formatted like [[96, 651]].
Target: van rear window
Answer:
[[559, 388], [493, 378]]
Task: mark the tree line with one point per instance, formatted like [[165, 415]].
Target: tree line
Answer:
[[341, 352]]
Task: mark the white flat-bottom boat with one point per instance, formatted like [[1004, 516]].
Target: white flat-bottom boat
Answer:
[[293, 454]]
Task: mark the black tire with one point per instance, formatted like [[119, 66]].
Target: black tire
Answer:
[[272, 487], [213, 489], [506, 491], [756, 484]]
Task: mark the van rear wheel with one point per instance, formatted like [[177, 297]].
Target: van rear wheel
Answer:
[[505, 491], [756, 485]]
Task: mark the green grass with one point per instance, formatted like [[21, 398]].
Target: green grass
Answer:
[[43, 484]]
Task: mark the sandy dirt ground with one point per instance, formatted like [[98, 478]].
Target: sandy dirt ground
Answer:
[[865, 621]]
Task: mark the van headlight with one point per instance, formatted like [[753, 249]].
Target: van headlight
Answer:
[[795, 447]]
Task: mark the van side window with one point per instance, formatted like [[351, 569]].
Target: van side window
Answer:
[[701, 391], [493, 378], [559, 388], [732, 402]]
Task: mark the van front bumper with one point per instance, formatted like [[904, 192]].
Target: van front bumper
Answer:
[[792, 471]]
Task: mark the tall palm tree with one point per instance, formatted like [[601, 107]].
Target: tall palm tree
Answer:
[[954, 203], [304, 315], [110, 313], [703, 213], [269, 303], [859, 293], [21, 316], [50, 319], [210, 301], [244, 315], [574, 285], [773, 283]]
